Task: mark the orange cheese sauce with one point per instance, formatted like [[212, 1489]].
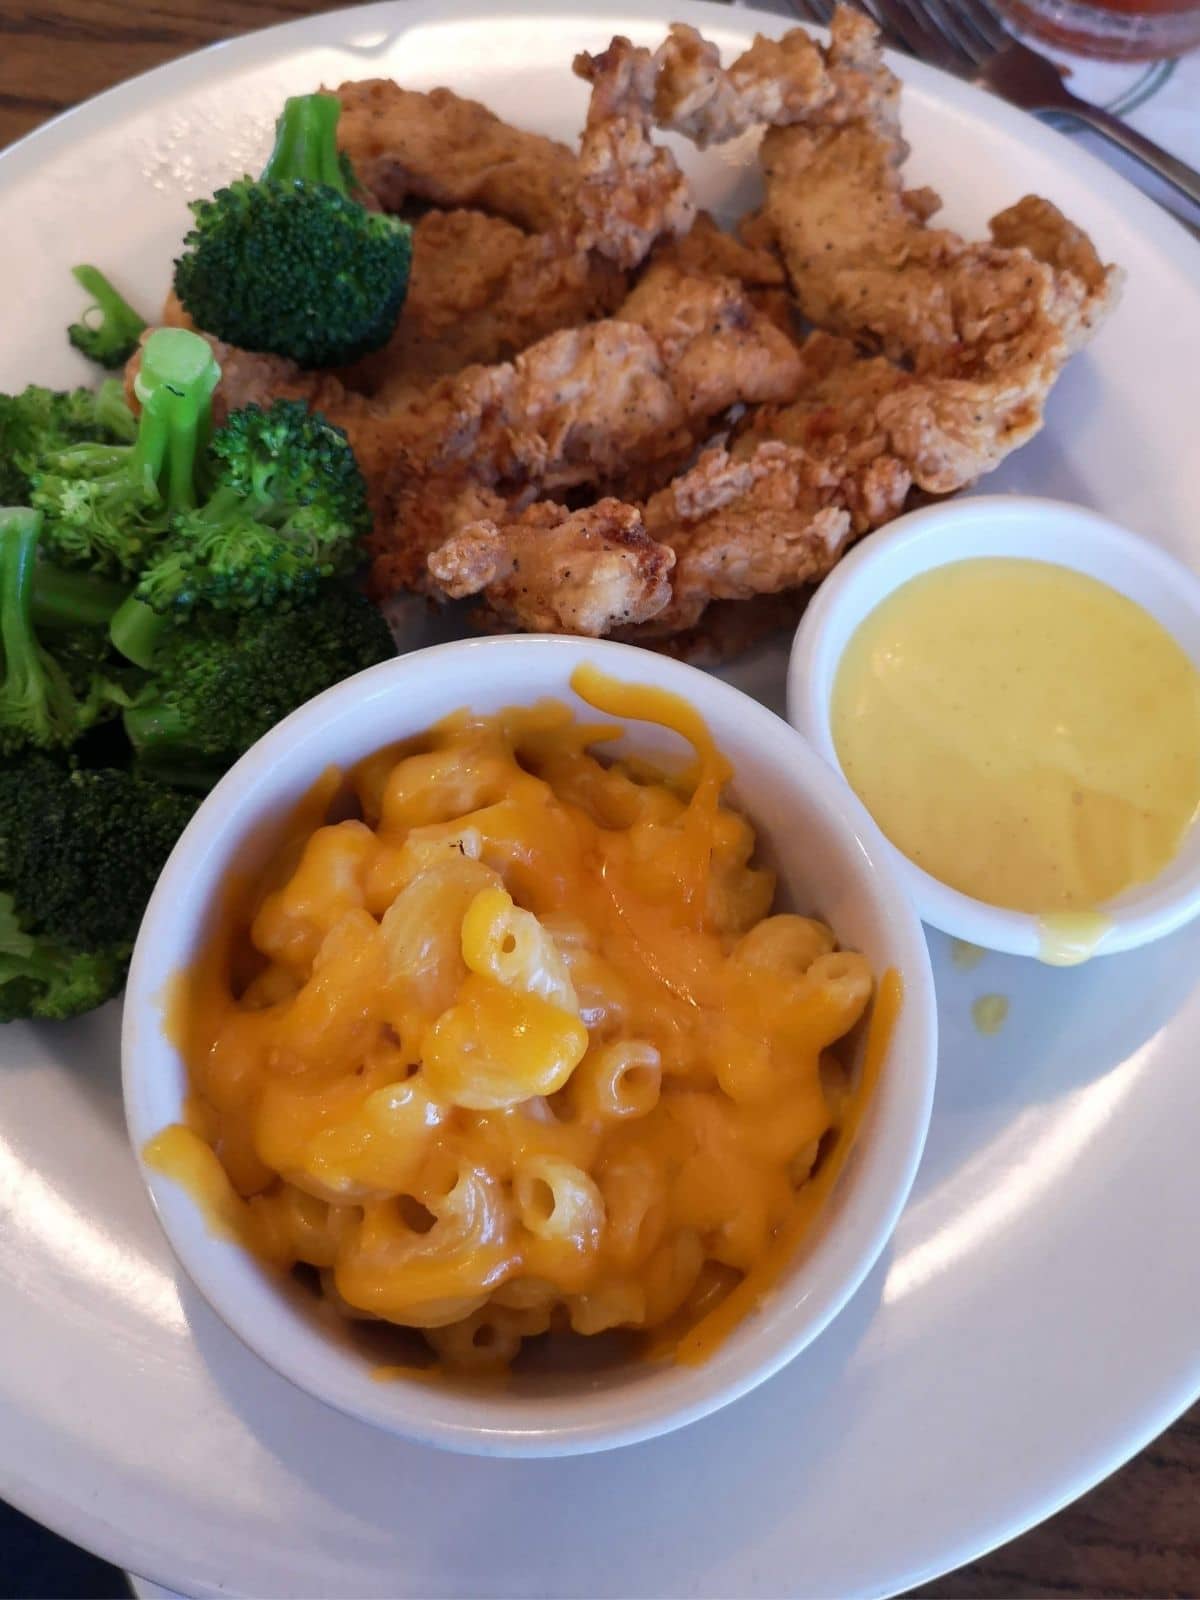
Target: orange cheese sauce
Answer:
[[519, 1046]]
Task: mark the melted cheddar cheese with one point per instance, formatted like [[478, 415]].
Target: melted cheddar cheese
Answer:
[[520, 1046]]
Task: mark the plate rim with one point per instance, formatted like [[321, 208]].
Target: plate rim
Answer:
[[1165, 233]]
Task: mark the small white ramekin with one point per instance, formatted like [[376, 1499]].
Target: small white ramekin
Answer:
[[1002, 525], [831, 860]]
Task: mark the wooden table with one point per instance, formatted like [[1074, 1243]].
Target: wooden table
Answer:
[[1139, 1533]]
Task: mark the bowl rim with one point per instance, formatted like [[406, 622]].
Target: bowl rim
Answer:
[[436, 1414], [921, 541]]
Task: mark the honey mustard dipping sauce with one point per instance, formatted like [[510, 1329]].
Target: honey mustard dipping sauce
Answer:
[[1025, 734]]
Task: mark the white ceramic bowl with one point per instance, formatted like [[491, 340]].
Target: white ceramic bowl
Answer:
[[830, 859], [1002, 525]]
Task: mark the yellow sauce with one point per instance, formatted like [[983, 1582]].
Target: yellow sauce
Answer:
[[1025, 734], [989, 1011], [966, 957]]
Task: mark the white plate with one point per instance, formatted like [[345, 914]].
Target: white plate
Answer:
[[1035, 1320]]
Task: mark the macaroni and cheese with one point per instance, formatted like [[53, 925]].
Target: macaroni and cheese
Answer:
[[519, 1045]]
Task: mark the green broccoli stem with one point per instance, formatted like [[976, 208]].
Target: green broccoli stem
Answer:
[[112, 411], [162, 751], [174, 386], [20, 530], [306, 143], [73, 599], [137, 630], [112, 340], [159, 734]]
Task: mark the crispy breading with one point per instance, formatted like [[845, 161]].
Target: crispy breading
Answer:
[[591, 403], [981, 331], [551, 570], [746, 526], [961, 408], [864, 266], [453, 152], [718, 347], [481, 291], [421, 516], [776, 82], [574, 408], [631, 191], [1086, 290], [728, 529], [864, 262], [707, 251]]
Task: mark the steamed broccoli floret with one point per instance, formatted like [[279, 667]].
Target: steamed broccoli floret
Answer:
[[47, 699], [44, 980], [286, 509], [292, 263], [107, 505], [38, 422], [79, 855], [111, 341], [219, 687]]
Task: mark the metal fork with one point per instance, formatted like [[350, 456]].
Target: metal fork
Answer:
[[967, 38]]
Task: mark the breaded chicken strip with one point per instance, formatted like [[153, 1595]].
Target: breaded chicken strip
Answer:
[[481, 291], [574, 408], [707, 251], [745, 527], [728, 529], [615, 198], [452, 152], [556, 571], [590, 403], [631, 192], [718, 347], [977, 332], [776, 82]]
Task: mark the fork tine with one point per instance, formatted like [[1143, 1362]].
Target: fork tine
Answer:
[[949, 15], [812, 11], [906, 24], [987, 22]]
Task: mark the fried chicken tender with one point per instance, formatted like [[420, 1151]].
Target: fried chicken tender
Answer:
[[718, 347], [453, 152], [574, 408], [481, 291], [757, 525], [728, 529], [421, 516], [1000, 316], [776, 82], [557, 571], [1086, 290], [957, 410], [590, 403], [974, 334], [631, 191], [707, 251]]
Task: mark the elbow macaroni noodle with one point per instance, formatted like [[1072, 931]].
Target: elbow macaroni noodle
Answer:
[[523, 1048]]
